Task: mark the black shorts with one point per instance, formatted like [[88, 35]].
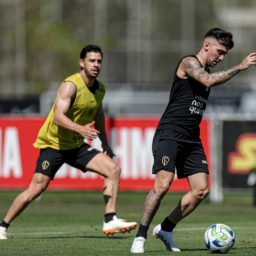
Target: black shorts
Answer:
[[50, 160], [187, 158]]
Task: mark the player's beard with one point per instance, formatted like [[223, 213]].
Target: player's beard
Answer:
[[90, 74], [212, 64], [94, 75]]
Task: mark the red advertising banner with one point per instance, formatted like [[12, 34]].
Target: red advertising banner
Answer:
[[131, 139]]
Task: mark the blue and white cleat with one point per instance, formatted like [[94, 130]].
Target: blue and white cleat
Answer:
[[166, 237]]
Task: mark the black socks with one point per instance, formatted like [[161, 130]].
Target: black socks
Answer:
[[142, 231], [4, 224], [109, 216], [167, 225]]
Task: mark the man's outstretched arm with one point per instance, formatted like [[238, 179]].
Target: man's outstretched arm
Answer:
[[191, 67]]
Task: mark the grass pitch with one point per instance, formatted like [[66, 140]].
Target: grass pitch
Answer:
[[70, 223]]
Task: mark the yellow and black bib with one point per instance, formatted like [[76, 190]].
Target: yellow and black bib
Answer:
[[82, 111]]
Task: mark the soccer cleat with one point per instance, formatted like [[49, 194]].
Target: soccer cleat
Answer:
[[118, 226], [166, 237], [3, 233], [138, 245]]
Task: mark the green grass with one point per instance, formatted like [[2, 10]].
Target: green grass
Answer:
[[70, 223]]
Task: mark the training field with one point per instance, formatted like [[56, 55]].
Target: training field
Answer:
[[70, 223]]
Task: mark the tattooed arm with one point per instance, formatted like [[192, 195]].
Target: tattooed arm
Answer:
[[191, 68]]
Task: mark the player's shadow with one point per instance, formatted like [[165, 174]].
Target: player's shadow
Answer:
[[194, 250], [183, 250], [242, 248], [232, 251]]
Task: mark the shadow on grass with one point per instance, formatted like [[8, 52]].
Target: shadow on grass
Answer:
[[183, 250], [243, 248], [230, 252], [194, 250]]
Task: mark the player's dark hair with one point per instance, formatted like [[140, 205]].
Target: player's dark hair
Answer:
[[223, 37], [90, 48]]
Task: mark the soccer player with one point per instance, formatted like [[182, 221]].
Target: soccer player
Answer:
[[76, 115], [176, 144]]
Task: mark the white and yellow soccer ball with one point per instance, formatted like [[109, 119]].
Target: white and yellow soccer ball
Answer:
[[219, 238]]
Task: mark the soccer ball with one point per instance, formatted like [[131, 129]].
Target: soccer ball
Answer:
[[219, 238]]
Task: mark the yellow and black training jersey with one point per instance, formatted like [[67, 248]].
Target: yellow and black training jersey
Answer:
[[82, 111]]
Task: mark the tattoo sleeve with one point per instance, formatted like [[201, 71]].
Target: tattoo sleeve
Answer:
[[194, 70], [150, 208], [223, 76], [192, 66]]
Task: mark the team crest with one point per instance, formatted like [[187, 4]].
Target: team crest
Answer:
[[45, 164], [165, 160]]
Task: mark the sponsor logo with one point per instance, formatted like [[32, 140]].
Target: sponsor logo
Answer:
[[45, 164], [165, 160], [198, 105]]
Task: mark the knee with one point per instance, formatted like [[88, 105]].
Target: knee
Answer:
[[115, 171], [205, 193], [162, 188], [39, 190], [202, 194], [33, 192]]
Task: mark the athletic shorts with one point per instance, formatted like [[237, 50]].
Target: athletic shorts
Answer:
[[185, 158], [50, 160]]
